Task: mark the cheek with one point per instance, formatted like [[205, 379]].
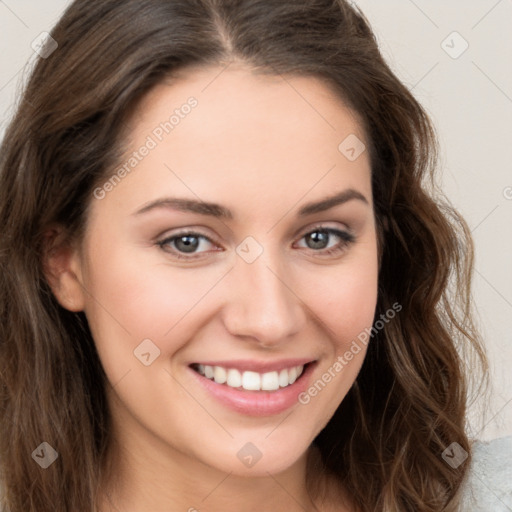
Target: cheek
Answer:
[[132, 300], [354, 309], [344, 300], [346, 309], [345, 303], [138, 288]]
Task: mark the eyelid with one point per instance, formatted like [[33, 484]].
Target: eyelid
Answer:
[[324, 226]]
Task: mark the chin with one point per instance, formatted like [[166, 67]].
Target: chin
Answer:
[[258, 456]]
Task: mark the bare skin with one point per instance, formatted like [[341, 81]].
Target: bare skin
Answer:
[[263, 147]]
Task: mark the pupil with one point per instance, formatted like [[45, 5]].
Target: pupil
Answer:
[[187, 243], [319, 239]]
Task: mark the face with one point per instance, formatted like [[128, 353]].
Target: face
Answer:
[[216, 252]]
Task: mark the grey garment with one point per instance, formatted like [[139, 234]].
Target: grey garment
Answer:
[[488, 487]]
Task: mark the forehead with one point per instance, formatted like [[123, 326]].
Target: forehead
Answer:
[[234, 96], [264, 138]]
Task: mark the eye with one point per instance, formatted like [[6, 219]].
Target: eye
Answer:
[[185, 243], [323, 240]]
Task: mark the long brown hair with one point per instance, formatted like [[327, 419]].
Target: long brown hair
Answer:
[[408, 404]]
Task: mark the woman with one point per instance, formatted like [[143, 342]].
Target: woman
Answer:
[[224, 280]]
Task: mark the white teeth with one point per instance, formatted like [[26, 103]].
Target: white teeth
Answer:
[[270, 381], [249, 380], [234, 379], [220, 375]]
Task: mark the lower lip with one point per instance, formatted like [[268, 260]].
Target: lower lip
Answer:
[[257, 403]]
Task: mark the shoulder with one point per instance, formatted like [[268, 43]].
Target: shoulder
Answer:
[[489, 482]]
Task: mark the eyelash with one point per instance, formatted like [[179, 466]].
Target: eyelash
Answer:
[[347, 239]]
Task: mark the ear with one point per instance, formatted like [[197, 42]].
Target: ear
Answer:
[[62, 269]]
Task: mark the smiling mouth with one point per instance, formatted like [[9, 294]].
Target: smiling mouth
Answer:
[[250, 380]]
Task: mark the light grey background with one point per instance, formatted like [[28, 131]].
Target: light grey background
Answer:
[[470, 100]]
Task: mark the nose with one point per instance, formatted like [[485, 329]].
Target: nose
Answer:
[[263, 304]]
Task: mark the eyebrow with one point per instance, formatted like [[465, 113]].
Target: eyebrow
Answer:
[[221, 212]]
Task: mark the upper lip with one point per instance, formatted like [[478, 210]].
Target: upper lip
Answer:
[[258, 366]]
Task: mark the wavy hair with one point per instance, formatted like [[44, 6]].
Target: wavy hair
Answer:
[[409, 401]]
